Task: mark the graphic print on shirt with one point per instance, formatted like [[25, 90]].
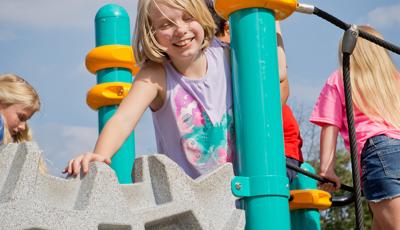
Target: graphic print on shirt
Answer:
[[205, 145]]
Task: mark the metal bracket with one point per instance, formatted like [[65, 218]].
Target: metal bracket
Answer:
[[268, 185]]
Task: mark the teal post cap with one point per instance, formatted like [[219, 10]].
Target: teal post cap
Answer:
[[111, 10], [268, 185]]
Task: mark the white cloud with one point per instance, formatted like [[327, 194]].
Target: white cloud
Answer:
[[385, 17], [48, 14]]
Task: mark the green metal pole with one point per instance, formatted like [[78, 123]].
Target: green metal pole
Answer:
[[113, 27], [305, 218], [261, 179]]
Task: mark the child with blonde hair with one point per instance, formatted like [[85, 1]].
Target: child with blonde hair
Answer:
[[18, 102], [375, 90], [185, 79]]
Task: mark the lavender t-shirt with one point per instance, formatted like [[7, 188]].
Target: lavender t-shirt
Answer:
[[194, 127]]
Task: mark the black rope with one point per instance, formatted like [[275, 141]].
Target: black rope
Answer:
[[330, 18], [349, 42], [380, 42], [318, 177], [339, 23], [352, 137]]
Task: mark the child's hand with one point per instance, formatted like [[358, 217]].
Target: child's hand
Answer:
[[82, 161], [329, 187]]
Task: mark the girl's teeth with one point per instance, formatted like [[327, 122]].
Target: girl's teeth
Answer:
[[182, 43]]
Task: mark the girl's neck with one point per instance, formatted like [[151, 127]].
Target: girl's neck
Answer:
[[192, 68]]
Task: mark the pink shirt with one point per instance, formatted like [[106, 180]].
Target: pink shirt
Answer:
[[330, 109]]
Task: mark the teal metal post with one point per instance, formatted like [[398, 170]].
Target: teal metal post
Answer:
[[113, 27], [262, 180], [305, 218]]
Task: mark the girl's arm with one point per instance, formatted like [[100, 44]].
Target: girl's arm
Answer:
[[329, 134], [284, 88], [144, 93], [282, 66]]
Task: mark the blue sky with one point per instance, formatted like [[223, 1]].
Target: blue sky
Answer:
[[46, 41]]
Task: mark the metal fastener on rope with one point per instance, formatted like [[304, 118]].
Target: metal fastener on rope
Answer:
[[350, 39], [305, 8]]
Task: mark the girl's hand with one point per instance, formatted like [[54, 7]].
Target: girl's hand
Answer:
[[82, 161], [329, 187]]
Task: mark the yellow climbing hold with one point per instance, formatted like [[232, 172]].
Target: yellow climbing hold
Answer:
[[309, 199], [110, 56], [106, 94]]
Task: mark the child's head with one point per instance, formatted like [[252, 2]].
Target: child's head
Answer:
[[220, 22], [18, 102], [162, 25], [374, 79]]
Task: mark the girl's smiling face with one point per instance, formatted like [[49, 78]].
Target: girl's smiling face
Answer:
[[15, 116], [177, 31]]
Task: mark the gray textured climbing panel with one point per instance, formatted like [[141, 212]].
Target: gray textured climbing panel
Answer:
[[163, 197]]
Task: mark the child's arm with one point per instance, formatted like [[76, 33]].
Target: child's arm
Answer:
[[329, 134], [144, 93], [284, 83], [284, 88]]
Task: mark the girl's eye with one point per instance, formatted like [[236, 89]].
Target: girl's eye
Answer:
[[188, 18], [21, 117], [165, 25]]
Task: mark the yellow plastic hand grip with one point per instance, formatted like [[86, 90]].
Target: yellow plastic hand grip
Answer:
[[309, 199], [106, 94], [110, 56]]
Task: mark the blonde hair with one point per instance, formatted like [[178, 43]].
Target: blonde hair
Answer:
[[16, 90], [375, 80], [146, 47]]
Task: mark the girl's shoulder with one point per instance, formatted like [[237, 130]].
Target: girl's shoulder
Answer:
[[151, 70], [335, 79], [217, 43], [218, 47], [154, 75]]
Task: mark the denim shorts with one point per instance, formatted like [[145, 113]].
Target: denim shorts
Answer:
[[380, 163]]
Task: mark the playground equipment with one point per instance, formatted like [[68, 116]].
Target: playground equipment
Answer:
[[263, 184], [261, 179], [250, 18], [305, 202], [162, 197], [113, 62], [159, 198]]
